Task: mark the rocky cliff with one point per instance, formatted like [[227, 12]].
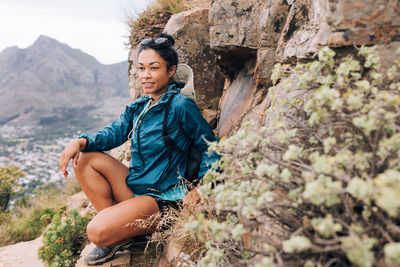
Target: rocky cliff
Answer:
[[249, 37], [233, 46]]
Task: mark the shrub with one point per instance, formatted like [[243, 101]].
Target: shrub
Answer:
[[30, 226], [63, 239], [172, 230], [151, 21], [32, 214], [8, 183], [320, 184]]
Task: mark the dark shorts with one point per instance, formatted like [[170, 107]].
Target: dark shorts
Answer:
[[163, 205]]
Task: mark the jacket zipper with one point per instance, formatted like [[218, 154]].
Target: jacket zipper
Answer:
[[138, 133], [138, 139]]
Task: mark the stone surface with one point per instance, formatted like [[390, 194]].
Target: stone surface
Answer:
[[135, 89], [122, 153], [211, 116], [200, 3], [191, 33], [272, 19], [363, 22], [236, 99], [80, 202], [311, 24], [387, 59], [257, 112], [234, 23], [350, 14], [23, 254], [170, 255], [304, 31], [234, 33], [265, 64]]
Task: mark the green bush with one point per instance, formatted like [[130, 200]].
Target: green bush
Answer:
[[63, 239], [320, 184], [15, 229], [32, 214], [148, 22], [8, 184]]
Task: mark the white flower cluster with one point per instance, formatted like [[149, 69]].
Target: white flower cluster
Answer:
[[330, 180]]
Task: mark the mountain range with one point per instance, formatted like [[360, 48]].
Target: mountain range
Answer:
[[50, 83]]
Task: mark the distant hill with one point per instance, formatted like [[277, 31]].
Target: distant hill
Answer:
[[50, 83]]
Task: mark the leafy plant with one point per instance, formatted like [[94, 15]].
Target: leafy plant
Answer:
[[63, 239], [152, 21], [16, 229], [8, 183], [320, 184], [31, 214]]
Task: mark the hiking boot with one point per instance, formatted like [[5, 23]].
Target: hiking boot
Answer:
[[99, 254]]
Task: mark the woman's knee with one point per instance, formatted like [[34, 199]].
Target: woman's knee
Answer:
[[98, 233], [84, 160]]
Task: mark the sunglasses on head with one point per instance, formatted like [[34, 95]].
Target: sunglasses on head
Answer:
[[157, 41]]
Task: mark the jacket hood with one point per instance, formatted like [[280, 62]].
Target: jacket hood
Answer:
[[184, 75]]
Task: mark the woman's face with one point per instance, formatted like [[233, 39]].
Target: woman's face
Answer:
[[153, 73]]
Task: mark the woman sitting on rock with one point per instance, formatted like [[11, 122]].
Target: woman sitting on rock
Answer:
[[123, 195]]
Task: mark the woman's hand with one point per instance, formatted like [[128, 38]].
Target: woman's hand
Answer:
[[71, 151], [192, 197]]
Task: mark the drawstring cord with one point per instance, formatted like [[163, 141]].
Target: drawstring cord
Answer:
[[137, 120]]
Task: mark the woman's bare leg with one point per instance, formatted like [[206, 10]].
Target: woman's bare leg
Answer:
[[123, 221], [102, 179]]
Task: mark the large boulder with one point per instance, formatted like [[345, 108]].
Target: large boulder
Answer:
[[234, 33], [135, 89], [311, 24], [237, 98], [191, 32], [286, 31], [363, 22], [244, 30]]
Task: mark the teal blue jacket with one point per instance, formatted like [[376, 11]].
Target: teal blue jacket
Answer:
[[150, 169]]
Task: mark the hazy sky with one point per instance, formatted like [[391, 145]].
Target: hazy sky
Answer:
[[97, 27]]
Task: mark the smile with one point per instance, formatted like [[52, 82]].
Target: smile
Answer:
[[147, 84]]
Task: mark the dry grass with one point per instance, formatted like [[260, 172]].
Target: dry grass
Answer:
[[171, 230], [151, 22], [31, 214]]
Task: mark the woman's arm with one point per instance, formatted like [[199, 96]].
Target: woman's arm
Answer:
[[71, 151], [112, 135], [197, 129]]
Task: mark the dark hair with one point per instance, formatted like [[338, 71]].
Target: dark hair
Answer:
[[167, 52]]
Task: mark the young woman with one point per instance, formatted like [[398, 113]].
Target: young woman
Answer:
[[124, 195]]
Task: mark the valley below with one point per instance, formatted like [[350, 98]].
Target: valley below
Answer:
[[36, 157]]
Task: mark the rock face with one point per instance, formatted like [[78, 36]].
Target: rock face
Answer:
[[363, 22], [260, 33], [234, 33], [286, 31], [236, 99], [191, 33]]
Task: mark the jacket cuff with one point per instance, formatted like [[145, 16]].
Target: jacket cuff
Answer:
[[89, 142]]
